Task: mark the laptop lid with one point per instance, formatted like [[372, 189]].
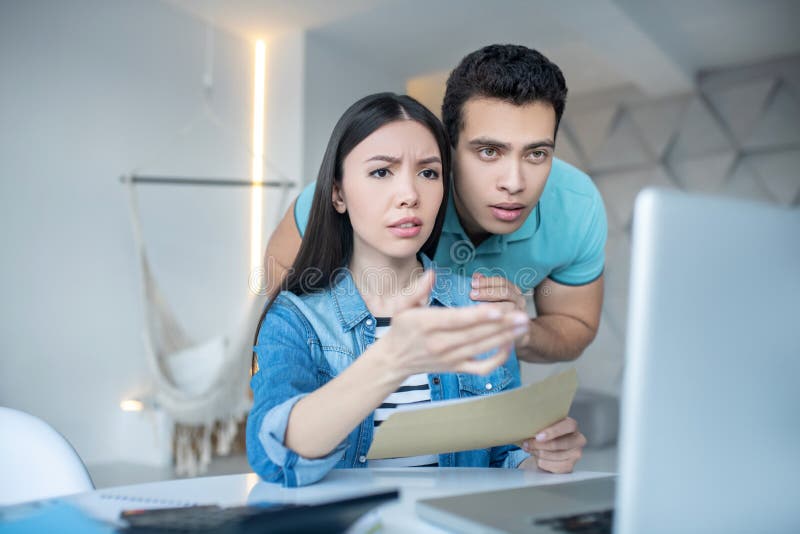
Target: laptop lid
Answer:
[[544, 509], [710, 432]]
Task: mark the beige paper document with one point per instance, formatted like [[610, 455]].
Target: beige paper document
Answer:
[[476, 422]]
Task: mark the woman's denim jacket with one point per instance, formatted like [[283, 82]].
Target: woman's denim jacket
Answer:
[[306, 341]]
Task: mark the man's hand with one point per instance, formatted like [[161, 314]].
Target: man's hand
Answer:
[[501, 291], [567, 316], [556, 449], [497, 289]]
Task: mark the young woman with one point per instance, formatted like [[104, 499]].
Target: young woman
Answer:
[[355, 333]]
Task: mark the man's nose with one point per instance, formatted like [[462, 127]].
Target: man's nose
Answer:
[[512, 181]]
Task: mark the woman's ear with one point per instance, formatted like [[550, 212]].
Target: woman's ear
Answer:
[[337, 197]]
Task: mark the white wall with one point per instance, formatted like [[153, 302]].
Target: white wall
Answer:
[[335, 77], [91, 89], [285, 125]]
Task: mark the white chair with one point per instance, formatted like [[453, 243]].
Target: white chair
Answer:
[[36, 462]]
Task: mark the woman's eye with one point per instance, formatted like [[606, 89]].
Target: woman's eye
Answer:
[[380, 173], [429, 173], [488, 152]]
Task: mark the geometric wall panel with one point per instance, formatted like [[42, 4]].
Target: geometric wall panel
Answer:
[[705, 174], [700, 133], [600, 366], [779, 172], [619, 192], [615, 309], [623, 147], [658, 122], [618, 257], [743, 183], [566, 150], [741, 139], [780, 122], [741, 106], [590, 129], [791, 77]]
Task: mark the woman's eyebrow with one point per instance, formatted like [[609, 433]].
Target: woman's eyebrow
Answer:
[[428, 160], [381, 157]]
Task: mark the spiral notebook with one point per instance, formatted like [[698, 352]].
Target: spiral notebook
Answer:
[[107, 505]]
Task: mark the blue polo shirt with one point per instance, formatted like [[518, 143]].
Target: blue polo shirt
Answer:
[[563, 238]]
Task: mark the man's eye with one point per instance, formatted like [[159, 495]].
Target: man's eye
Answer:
[[429, 173], [488, 152], [538, 155], [380, 173]]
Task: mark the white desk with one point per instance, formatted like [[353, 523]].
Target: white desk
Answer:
[[413, 483]]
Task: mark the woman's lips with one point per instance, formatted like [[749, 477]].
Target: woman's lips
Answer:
[[411, 231], [406, 227], [507, 213]]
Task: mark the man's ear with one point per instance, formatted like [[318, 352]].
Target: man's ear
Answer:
[[337, 197]]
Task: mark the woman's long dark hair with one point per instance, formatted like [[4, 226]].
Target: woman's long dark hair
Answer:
[[327, 244]]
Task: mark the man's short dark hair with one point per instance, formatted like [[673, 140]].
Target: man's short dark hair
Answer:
[[513, 73]]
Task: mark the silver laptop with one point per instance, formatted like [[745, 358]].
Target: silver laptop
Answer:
[[710, 437]]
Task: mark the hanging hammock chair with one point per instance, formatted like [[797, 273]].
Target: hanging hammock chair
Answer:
[[212, 412], [218, 408], [209, 410]]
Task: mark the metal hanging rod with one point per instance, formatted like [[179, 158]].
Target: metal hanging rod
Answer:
[[215, 182]]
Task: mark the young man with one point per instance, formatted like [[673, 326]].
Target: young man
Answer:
[[519, 220]]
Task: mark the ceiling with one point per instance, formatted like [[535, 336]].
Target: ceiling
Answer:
[[657, 46], [258, 19]]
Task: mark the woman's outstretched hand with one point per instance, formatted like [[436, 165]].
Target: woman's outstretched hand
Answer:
[[434, 340]]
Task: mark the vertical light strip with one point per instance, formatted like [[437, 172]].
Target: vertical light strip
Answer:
[[257, 191]]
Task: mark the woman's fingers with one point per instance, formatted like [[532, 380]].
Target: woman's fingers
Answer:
[[445, 342], [432, 320], [558, 456], [558, 447], [485, 366], [418, 297], [547, 437], [439, 339], [575, 440], [468, 351], [552, 466]]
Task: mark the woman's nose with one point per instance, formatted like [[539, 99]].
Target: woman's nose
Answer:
[[407, 196]]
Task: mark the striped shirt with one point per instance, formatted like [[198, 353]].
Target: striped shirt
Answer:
[[414, 390]]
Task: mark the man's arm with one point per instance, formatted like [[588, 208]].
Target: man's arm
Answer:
[[281, 251], [567, 316], [567, 321]]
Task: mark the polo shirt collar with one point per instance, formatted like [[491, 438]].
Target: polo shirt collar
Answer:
[[496, 242]]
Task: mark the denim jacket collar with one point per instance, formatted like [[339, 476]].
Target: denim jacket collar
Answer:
[[351, 308]]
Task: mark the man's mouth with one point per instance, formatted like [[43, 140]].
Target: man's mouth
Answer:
[[507, 211]]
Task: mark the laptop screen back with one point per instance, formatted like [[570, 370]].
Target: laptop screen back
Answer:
[[710, 438]]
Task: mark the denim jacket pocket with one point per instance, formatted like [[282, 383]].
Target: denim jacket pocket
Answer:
[[497, 380], [332, 361]]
